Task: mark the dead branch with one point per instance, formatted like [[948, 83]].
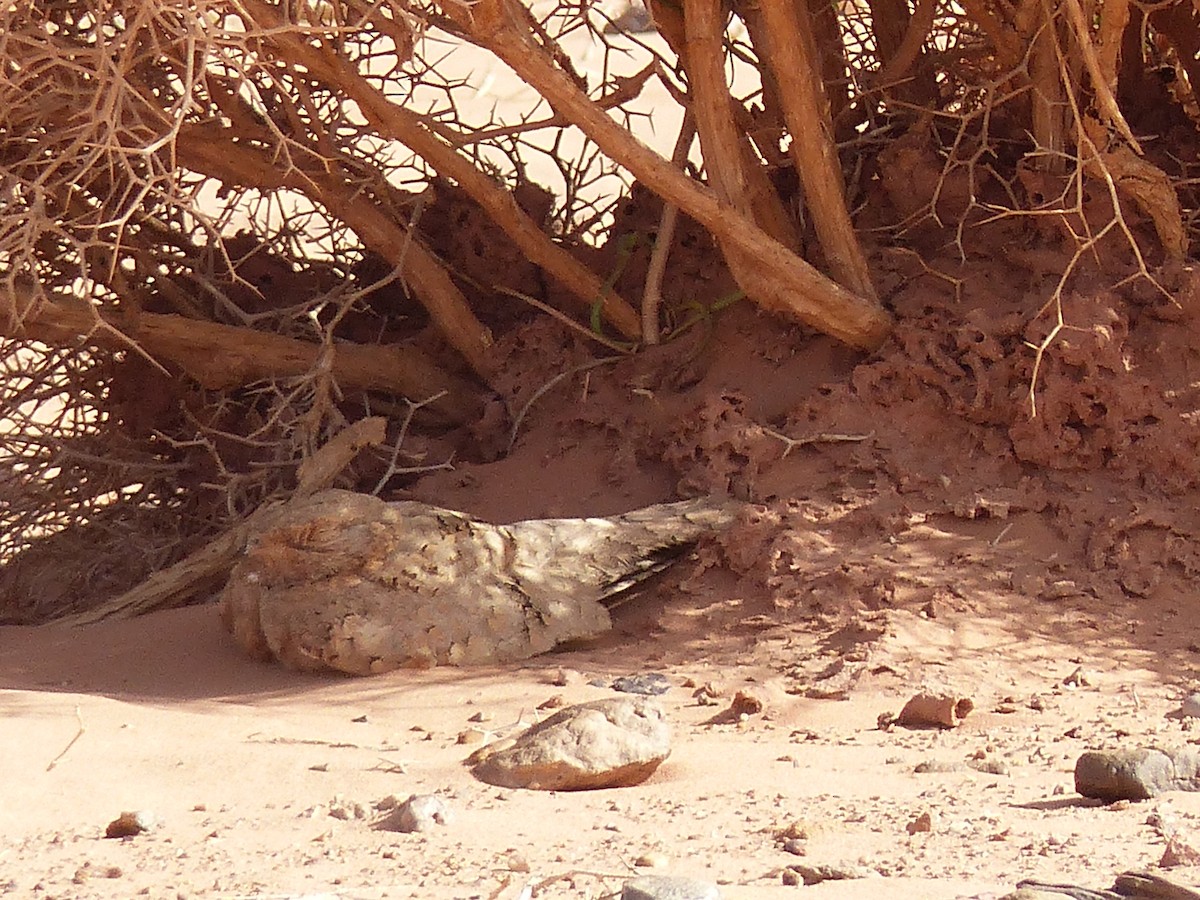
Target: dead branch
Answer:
[[403, 125], [731, 162], [204, 570], [791, 55], [665, 237], [224, 356], [211, 148], [786, 284]]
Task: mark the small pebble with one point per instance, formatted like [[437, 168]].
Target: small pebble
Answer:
[[921, 824], [648, 685], [517, 862], [662, 887], [651, 859], [420, 812], [1190, 708], [796, 846], [128, 824]]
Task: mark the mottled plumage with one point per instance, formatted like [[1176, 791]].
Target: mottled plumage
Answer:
[[346, 581]]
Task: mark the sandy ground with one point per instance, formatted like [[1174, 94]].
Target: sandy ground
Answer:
[[932, 534], [244, 766]]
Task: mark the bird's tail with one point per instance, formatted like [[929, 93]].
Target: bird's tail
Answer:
[[613, 553]]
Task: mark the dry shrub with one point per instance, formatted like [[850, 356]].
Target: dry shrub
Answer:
[[227, 229]]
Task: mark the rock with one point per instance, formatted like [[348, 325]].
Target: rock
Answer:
[[742, 707], [561, 677], [344, 581], [1179, 852], [516, 862], [921, 824], [802, 830], [990, 766], [129, 824], [651, 859], [420, 812], [817, 874], [665, 887], [1188, 709], [648, 685], [938, 766], [1148, 886], [1077, 679], [346, 809], [1131, 885], [616, 742], [796, 846], [1136, 774], [706, 694], [927, 710]]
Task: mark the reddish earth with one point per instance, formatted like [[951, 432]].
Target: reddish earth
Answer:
[[924, 530]]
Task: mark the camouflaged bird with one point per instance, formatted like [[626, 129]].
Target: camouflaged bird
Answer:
[[348, 582]]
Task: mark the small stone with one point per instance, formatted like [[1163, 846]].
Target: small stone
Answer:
[[938, 766], [1059, 590], [479, 717], [470, 736], [517, 862], [1077, 679], [662, 887], [345, 810], [796, 846], [927, 710], [420, 812], [555, 702], [742, 707], [990, 766], [817, 874], [921, 824], [129, 824], [651, 859], [648, 685], [1190, 708], [790, 877], [561, 677], [616, 742], [1179, 852], [746, 704], [1136, 774], [802, 830]]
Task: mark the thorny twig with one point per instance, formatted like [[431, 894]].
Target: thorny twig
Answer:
[[71, 743], [792, 443]]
